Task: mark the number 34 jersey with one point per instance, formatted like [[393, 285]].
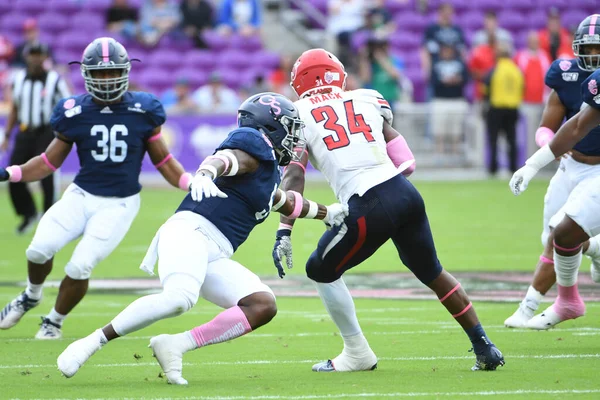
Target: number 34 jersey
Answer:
[[110, 139], [344, 138]]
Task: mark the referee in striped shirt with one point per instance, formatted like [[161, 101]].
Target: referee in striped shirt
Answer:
[[35, 92]]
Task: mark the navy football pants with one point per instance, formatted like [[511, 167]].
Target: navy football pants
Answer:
[[393, 210]]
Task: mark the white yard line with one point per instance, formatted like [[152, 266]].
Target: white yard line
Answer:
[[268, 362]]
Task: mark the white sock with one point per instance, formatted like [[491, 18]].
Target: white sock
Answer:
[[186, 341], [56, 317], [566, 268], [594, 248], [100, 337], [34, 291], [532, 299], [340, 306]]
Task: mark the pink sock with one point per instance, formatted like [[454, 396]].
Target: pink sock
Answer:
[[568, 304], [228, 325]]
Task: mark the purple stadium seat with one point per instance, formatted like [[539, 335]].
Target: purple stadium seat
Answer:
[[511, 20], [164, 58], [488, 4], [360, 39], [177, 42], [5, 7], [66, 56], [404, 40], [547, 4], [573, 18], [195, 76], [13, 21], [462, 5], [88, 21], [215, 41], [252, 43], [412, 21], [472, 20], [519, 5], [537, 19], [232, 78], [97, 5], [321, 5], [74, 40], [65, 7], [53, 22], [265, 58], [156, 78], [395, 6], [234, 59], [200, 59], [30, 7]]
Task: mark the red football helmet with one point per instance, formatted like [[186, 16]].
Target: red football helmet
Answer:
[[315, 71]]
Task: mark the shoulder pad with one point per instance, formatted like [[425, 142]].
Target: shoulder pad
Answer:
[[250, 141], [375, 98], [63, 113], [589, 90], [153, 107], [554, 76]]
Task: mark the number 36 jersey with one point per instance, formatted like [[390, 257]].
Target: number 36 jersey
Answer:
[[344, 138], [110, 139]]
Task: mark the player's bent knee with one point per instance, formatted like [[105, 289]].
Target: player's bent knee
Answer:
[[78, 271], [182, 292], [318, 271], [36, 255], [428, 273]]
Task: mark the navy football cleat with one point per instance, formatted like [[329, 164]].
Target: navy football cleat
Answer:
[[488, 359]]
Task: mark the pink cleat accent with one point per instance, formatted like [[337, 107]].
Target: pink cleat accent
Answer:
[[568, 305]]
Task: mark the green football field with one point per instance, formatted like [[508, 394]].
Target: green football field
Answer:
[[478, 227]]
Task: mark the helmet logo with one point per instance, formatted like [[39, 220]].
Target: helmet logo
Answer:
[[565, 65], [593, 87], [331, 76], [269, 100]]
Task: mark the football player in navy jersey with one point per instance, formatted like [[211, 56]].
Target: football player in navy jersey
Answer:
[[579, 218], [233, 191], [577, 168], [112, 129]]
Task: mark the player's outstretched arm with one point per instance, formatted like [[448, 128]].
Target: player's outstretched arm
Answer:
[[398, 150], [167, 165], [293, 179], [40, 166], [552, 117], [567, 136]]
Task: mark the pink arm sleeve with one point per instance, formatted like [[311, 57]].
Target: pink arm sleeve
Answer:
[[400, 153]]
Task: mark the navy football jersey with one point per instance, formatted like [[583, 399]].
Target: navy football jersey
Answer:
[[566, 78], [589, 91], [250, 196], [110, 139]]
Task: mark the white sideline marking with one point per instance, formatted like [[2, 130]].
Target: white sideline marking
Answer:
[[378, 395], [267, 362]]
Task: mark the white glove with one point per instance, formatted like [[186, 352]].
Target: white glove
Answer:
[[520, 180], [202, 186], [336, 213]]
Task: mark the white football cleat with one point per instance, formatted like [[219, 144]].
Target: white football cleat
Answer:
[[595, 270], [48, 330], [12, 313], [347, 363], [520, 317], [77, 353], [558, 312], [167, 351]]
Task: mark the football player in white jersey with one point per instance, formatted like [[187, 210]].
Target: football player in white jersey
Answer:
[[349, 138]]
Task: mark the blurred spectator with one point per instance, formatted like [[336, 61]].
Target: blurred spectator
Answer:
[[567, 51], [31, 34], [345, 18], [215, 97], [481, 61], [490, 27], [241, 16], [197, 17], [158, 17], [380, 70], [444, 32], [449, 108], [379, 20], [7, 51], [554, 39], [122, 18], [534, 64], [279, 80], [505, 93], [178, 101]]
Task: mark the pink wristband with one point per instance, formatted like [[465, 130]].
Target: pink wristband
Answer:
[[543, 136], [184, 181], [164, 161], [155, 137], [16, 174], [295, 163], [47, 162], [285, 226], [218, 157], [297, 205]]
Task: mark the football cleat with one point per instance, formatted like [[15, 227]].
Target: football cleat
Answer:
[[595, 269], [520, 317], [558, 312], [77, 353], [48, 330], [488, 359], [12, 313], [347, 363], [170, 358]]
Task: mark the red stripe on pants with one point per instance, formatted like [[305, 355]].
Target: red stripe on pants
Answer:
[[362, 235]]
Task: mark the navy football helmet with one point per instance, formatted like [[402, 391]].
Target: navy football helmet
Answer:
[[105, 53], [588, 33], [277, 118]]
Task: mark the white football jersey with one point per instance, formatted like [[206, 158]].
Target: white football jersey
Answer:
[[344, 139]]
